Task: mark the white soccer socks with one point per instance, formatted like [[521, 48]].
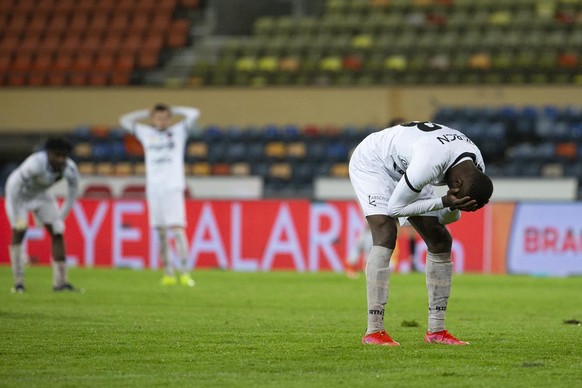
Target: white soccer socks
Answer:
[[165, 252], [180, 237], [377, 283], [60, 277], [439, 275], [16, 258]]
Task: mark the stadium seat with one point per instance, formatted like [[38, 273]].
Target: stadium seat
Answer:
[[275, 150], [199, 168], [139, 168], [221, 169], [86, 168], [196, 151], [240, 169], [339, 170], [82, 151]]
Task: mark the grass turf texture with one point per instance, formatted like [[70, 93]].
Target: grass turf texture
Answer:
[[283, 329]]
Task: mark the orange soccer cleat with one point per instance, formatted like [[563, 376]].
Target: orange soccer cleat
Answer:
[[379, 338], [443, 337]]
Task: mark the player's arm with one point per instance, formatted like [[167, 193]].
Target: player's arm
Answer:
[[130, 121], [190, 115], [423, 170], [404, 201], [72, 177]]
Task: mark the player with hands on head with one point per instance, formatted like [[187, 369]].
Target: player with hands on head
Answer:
[[164, 144], [27, 191], [393, 172]]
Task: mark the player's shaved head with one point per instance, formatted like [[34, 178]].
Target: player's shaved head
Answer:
[[476, 185]]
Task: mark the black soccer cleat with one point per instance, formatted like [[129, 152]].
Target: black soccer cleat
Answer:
[[17, 289], [64, 287]]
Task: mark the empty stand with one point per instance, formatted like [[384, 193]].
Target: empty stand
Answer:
[[130, 34]]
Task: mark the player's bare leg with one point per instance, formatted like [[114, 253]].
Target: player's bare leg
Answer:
[[17, 259], [169, 278], [378, 278], [182, 246], [439, 275]]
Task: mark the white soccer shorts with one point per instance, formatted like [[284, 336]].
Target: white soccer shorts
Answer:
[[43, 206], [166, 208], [374, 183]]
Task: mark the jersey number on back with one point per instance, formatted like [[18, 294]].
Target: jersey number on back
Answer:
[[425, 126]]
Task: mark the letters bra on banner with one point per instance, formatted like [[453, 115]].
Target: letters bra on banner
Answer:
[[546, 239]]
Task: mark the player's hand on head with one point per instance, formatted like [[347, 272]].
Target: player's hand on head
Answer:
[[466, 204]]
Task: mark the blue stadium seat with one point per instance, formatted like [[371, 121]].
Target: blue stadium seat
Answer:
[[212, 133]]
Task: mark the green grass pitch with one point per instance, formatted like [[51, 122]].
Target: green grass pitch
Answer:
[[283, 329]]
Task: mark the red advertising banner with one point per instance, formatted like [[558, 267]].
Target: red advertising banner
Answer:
[[296, 235]]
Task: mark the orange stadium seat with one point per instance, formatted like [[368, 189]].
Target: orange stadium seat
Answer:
[[29, 45], [105, 5], [22, 62], [70, 44], [221, 169], [98, 23], [16, 78], [90, 45], [77, 25], [178, 33], [37, 24], [24, 6], [57, 25], [85, 6], [49, 45], [64, 6], [133, 147]]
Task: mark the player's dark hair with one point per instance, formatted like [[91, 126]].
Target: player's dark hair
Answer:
[[477, 186], [58, 144], [161, 108], [395, 121]]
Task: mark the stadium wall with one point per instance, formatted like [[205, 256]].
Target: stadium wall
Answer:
[[299, 235], [54, 109]]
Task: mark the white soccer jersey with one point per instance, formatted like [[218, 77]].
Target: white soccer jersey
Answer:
[[28, 184], [164, 150], [416, 155]]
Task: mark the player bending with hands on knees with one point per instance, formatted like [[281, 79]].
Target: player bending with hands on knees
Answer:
[[393, 172], [164, 143], [27, 191]]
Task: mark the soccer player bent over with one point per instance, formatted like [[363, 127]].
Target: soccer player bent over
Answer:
[[27, 191], [393, 172], [164, 145]]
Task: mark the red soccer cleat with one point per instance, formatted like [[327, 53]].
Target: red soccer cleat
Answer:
[[443, 337], [379, 338]]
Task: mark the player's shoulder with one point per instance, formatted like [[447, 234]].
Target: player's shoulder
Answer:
[[38, 158]]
